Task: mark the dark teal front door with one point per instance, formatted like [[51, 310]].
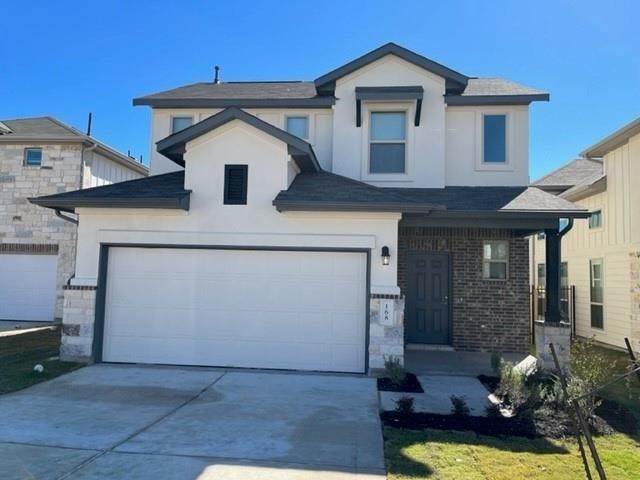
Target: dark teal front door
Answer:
[[427, 297]]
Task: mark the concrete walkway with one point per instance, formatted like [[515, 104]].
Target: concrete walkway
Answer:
[[437, 395], [113, 422]]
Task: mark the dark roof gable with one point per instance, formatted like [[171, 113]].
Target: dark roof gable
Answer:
[[455, 81], [173, 146]]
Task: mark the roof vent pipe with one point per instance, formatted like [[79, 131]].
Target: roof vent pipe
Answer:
[[217, 71]]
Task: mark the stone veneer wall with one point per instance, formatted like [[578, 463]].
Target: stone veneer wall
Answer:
[[27, 228], [77, 323], [635, 300], [386, 332], [560, 335], [487, 315]]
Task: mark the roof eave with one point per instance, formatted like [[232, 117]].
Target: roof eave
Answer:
[[314, 102], [470, 100], [613, 141], [179, 202]]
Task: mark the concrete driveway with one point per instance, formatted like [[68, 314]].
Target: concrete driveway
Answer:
[[113, 422]]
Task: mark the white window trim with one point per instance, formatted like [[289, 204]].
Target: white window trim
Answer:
[[508, 165], [601, 261], [601, 227], [505, 261], [171, 117], [367, 109], [307, 117]]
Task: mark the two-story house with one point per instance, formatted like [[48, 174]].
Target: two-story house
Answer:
[[322, 225], [43, 156], [601, 257]]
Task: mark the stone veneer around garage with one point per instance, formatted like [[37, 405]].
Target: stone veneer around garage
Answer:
[[486, 315], [78, 323]]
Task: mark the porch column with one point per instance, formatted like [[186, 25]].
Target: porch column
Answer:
[[552, 287]]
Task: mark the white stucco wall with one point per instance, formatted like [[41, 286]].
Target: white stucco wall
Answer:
[[464, 147], [320, 130], [425, 144], [210, 222]]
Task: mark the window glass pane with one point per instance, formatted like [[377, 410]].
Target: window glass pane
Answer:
[[495, 138], [386, 158], [564, 275], [498, 270], [33, 156], [542, 274], [180, 123], [495, 251], [298, 126], [596, 281], [595, 220], [597, 316], [388, 126]]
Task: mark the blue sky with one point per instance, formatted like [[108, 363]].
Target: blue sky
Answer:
[[66, 58]]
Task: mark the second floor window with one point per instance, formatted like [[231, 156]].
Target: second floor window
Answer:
[[298, 126], [180, 123], [595, 220], [387, 142], [495, 139], [32, 157]]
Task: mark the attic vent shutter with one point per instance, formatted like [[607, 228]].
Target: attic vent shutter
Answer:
[[235, 184]]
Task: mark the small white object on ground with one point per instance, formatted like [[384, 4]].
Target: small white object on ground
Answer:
[[528, 366], [38, 368]]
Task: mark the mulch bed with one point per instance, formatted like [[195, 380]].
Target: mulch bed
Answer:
[[617, 417], [410, 384], [480, 425]]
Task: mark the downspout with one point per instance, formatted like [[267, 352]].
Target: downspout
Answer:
[[59, 214]]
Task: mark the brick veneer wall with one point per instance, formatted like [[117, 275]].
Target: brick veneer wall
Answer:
[[487, 315], [28, 229]]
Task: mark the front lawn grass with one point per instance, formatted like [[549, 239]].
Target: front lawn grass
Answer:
[[446, 455], [19, 353]]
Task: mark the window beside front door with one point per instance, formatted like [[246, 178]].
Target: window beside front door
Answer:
[[387, 142], [596, 293], [495, 260]]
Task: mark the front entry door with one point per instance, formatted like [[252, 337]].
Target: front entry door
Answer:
[[427, 298]]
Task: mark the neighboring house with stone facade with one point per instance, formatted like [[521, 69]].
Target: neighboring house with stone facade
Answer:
[[43, 156], [601, 257], [378, 210]]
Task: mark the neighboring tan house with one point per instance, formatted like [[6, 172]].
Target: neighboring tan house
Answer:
[[43, 156], [601, 257], [323, 225]]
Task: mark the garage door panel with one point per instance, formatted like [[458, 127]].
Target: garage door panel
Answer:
[[260, 309], [28, 287]]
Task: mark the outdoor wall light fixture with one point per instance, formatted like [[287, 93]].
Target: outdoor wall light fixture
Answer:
[[385, 255]]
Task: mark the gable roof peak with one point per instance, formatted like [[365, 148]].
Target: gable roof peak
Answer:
[[455, 81]]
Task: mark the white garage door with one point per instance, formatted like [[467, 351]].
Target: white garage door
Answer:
[[240, 308], [28, 287]]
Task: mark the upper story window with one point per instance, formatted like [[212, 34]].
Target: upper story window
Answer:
[[495, 260], [180, 123], [494, 139], [387, 142], [235, 184], [298, 126], [33, 157], [595, 220]]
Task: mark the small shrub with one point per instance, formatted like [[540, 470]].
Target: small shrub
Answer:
[[512, 388], [590, 368], [404, 405], [492, 411], [496, 362], [551, 393], [394, 370], [459, 406]]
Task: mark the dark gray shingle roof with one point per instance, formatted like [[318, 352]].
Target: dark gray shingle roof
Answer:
[[43, 129], [157, 191], [573, 173], [239, 94]]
